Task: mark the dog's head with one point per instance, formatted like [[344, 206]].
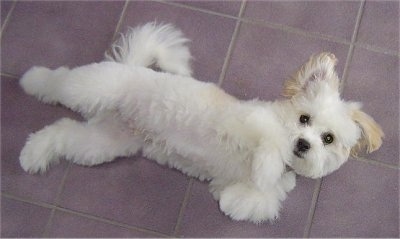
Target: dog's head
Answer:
[[325, 129]]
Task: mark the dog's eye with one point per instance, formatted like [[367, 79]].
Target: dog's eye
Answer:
[[327, 138], [304, 119]]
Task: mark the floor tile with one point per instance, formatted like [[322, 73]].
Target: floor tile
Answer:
[[327, 17], [20, 219], [21, 115], [55, 33], [133, 191], [208, 44], [226, 7], [380, 24], [373, 80], [263, 58], [202, 217], [70, 225], [5, 8], [359, 200]]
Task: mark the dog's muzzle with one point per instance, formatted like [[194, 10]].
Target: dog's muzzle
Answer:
[[302, 147]]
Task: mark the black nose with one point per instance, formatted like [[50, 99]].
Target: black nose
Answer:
[[303, 145]]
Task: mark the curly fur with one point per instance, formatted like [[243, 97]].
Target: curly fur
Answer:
[[242, 147]]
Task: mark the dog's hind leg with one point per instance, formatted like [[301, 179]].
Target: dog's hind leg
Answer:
[[86, 89], [99, 140], [44, 83]]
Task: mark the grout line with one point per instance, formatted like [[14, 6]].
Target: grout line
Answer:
[[297, 31], [183, 206], [7, 19], [231, 44], [9, 75], [49, 223], [81, 214], [121, 19], [111, 222], [377, 49], [175, 4], [239, 20], [56, 201], [351, 48], [314, 200], [36, 203], [288, 29], [375, 163], [62, 184], [268, 24], [317, 189]]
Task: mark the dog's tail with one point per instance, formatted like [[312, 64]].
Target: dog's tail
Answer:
[[162, 45]]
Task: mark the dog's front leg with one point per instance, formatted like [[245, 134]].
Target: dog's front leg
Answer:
[[258, 199], [267, 166]]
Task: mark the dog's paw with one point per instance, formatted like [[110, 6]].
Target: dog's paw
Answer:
[[43, 83], [288, 181], [34, 80], [37, 154], [241, 202]]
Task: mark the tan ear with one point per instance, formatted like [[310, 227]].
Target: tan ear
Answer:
[[371, 136], [318, 67]]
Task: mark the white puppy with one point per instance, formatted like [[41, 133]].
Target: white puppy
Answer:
[[242, 147]]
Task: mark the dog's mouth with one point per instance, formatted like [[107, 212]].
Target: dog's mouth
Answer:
[[288, 168], [298, 154]]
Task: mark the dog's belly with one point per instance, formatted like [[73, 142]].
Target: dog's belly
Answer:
[[194, 160], [203, 156], [183, 121]]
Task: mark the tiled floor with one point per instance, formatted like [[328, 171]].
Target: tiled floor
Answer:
[[246, 47]]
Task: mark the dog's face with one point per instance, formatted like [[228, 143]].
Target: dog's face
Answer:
[[325, 129]]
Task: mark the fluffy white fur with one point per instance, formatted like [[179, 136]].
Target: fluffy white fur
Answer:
[[242, 147]]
